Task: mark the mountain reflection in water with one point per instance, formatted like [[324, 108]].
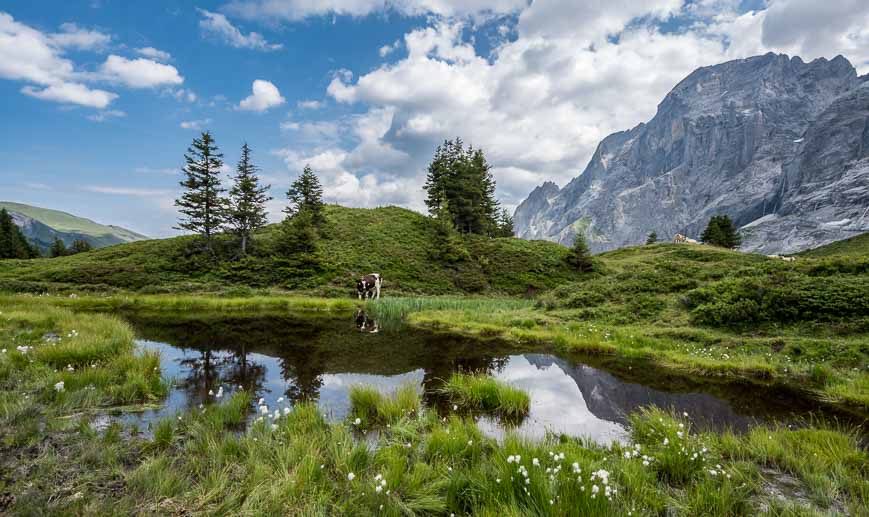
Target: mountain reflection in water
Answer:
[[295, 358]]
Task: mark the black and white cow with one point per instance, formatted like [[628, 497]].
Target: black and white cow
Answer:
[[368, 286]]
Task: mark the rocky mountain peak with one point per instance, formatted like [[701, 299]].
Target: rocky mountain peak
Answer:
[[728, 139]]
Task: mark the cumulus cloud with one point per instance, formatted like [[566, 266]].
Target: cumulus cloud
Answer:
[[153, 53], [574, 73], [139, 73], [71, 93], [294, 10], [29, 55], [73, 36], [310, 105], [219, 26], [265, 95], [195, 124]]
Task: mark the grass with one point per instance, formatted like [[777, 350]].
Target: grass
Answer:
[[405, 254], [482, 393], [399, 459], [371, 408]]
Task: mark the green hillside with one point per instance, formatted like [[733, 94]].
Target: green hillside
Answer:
[[47, 224], [855, 246], [395, 242]]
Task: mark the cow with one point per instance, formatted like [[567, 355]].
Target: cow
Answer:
[[368, 286], [679, 238]]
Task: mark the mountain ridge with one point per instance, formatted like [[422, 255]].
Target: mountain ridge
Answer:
[[727, 139], [42, 225]]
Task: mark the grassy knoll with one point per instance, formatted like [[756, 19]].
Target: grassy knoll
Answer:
[[856, 246], [398, 243]]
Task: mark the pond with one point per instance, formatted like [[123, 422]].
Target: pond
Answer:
[[285, 358]]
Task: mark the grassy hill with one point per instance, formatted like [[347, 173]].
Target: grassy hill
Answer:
[[42, 225], [395, 242], [855, 246]]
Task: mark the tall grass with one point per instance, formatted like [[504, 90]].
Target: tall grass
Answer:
[[394, 309], [373, 408], [484, 393]]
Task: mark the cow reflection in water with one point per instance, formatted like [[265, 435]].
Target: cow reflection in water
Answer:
[[366, 324]]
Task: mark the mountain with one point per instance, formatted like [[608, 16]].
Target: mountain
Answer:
[[779, 145], [42, 225]]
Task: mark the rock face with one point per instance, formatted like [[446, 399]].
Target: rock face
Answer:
[[779, 145]]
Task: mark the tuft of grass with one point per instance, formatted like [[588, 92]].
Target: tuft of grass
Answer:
[[483, 393], [373, 408]]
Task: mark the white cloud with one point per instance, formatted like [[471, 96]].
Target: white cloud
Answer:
[[385, 50], [127, 191], [195, 124], [294, 10], [102, 116], [183, 94], [265, 95], [218, 25], [73, 36], [139, 73], [576, 72], [310, 105], [71, 93], [34, 57], [153, 53]]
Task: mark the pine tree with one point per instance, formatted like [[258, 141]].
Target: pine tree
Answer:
[[652, 238], [505, 224], [13, 243], [463, 178], [580, 256], [79, 246], [247, 200], [58, 248], [721, 232], [202, 207], [299, 233], [306, 193]]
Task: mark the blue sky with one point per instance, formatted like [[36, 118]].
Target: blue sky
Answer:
[[102, 97]]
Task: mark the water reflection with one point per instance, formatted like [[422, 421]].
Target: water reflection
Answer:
[[291, 358]]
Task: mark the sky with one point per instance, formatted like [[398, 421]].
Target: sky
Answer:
[[101, 98]]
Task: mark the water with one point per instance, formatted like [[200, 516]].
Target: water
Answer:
[[287, 358]]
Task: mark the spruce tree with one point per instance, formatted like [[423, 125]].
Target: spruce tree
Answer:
[[13, 243], [58, 248], [79, 246], [247, 200], [306, 193], [580, 256], [463, 178], [505, 224], [202, 207], [721, 232], [652, 238]]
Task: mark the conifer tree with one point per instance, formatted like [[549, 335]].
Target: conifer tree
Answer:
[[306, 193], [79, 246], [580, 256], [13, 243], [652, 238], [247, 200], [721, 232], [505, 224], [463, 178], [58, 248], [202, 207]]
